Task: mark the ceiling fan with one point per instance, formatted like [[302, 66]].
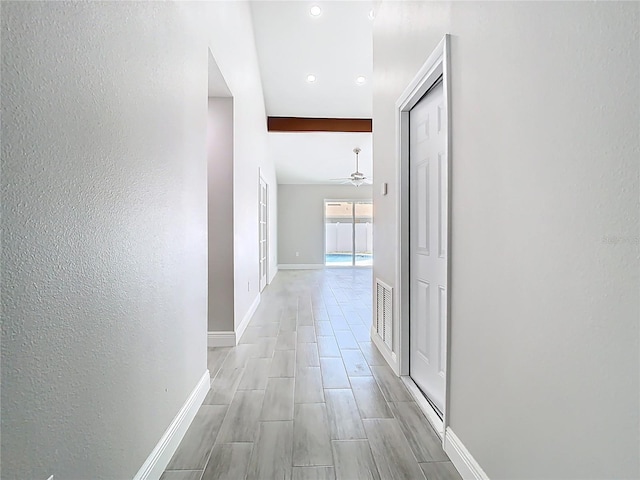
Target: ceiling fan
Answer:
[[357, 178]]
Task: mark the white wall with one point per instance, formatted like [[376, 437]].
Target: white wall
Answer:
[[301, 219], [220, 214], [545, 305], [233, 47], [104, 285]]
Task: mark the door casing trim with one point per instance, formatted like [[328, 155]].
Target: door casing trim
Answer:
[[437, 65]]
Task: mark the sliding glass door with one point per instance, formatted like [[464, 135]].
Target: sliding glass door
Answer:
[[363, 234], [348, 233]]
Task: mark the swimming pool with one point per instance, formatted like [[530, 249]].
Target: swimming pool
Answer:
[[341, 259]]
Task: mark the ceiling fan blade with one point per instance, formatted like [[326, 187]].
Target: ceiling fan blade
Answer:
[[357, 178]]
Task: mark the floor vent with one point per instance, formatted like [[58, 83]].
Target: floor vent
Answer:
[[384, 313]]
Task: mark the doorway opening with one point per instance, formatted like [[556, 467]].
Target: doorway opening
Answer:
[[348, 227], [220, 266]]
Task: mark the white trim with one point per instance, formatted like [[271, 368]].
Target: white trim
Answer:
[[275, 271], [426, 408], [221, 339], [401, 304], [247, 318], [464, 462], [160, 456], [301, 266], [385, 351], [436, 65]]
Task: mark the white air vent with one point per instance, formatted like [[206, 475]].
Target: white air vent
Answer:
[[384, 313]]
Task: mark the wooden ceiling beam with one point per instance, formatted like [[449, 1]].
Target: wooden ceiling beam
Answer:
[[306, 124]]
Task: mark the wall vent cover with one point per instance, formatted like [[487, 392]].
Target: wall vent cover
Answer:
[[384, 313]]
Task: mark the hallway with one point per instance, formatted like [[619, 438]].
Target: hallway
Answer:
[[306, 395]]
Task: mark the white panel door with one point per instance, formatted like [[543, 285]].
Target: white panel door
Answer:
[[428, 216], [263, 247]]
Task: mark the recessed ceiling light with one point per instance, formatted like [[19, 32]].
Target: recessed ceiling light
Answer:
[[360, 80], [372, 14], [315, 11], [311, 78]]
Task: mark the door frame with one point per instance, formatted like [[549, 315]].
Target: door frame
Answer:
[[437, 65]]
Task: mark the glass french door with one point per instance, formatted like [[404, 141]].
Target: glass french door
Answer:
[[263, 246], [348, 233]]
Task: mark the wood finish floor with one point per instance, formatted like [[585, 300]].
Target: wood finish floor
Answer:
[[306, 395]]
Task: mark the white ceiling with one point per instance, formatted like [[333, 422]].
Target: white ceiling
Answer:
[[336, 47], [317, 157]]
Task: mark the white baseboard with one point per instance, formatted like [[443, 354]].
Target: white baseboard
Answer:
[[464, 462], [159, 458], [247, 318], [301, 266], [424, 405], [221, 339], [385, 351]]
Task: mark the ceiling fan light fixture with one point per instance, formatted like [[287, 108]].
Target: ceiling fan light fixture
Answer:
[[357, 178]]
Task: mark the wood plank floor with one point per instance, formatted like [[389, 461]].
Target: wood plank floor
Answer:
[[306, 395]]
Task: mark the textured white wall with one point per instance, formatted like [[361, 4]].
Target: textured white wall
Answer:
[[232, 44], [104, 232], [545, 259], [301, 219], [220, 214]]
